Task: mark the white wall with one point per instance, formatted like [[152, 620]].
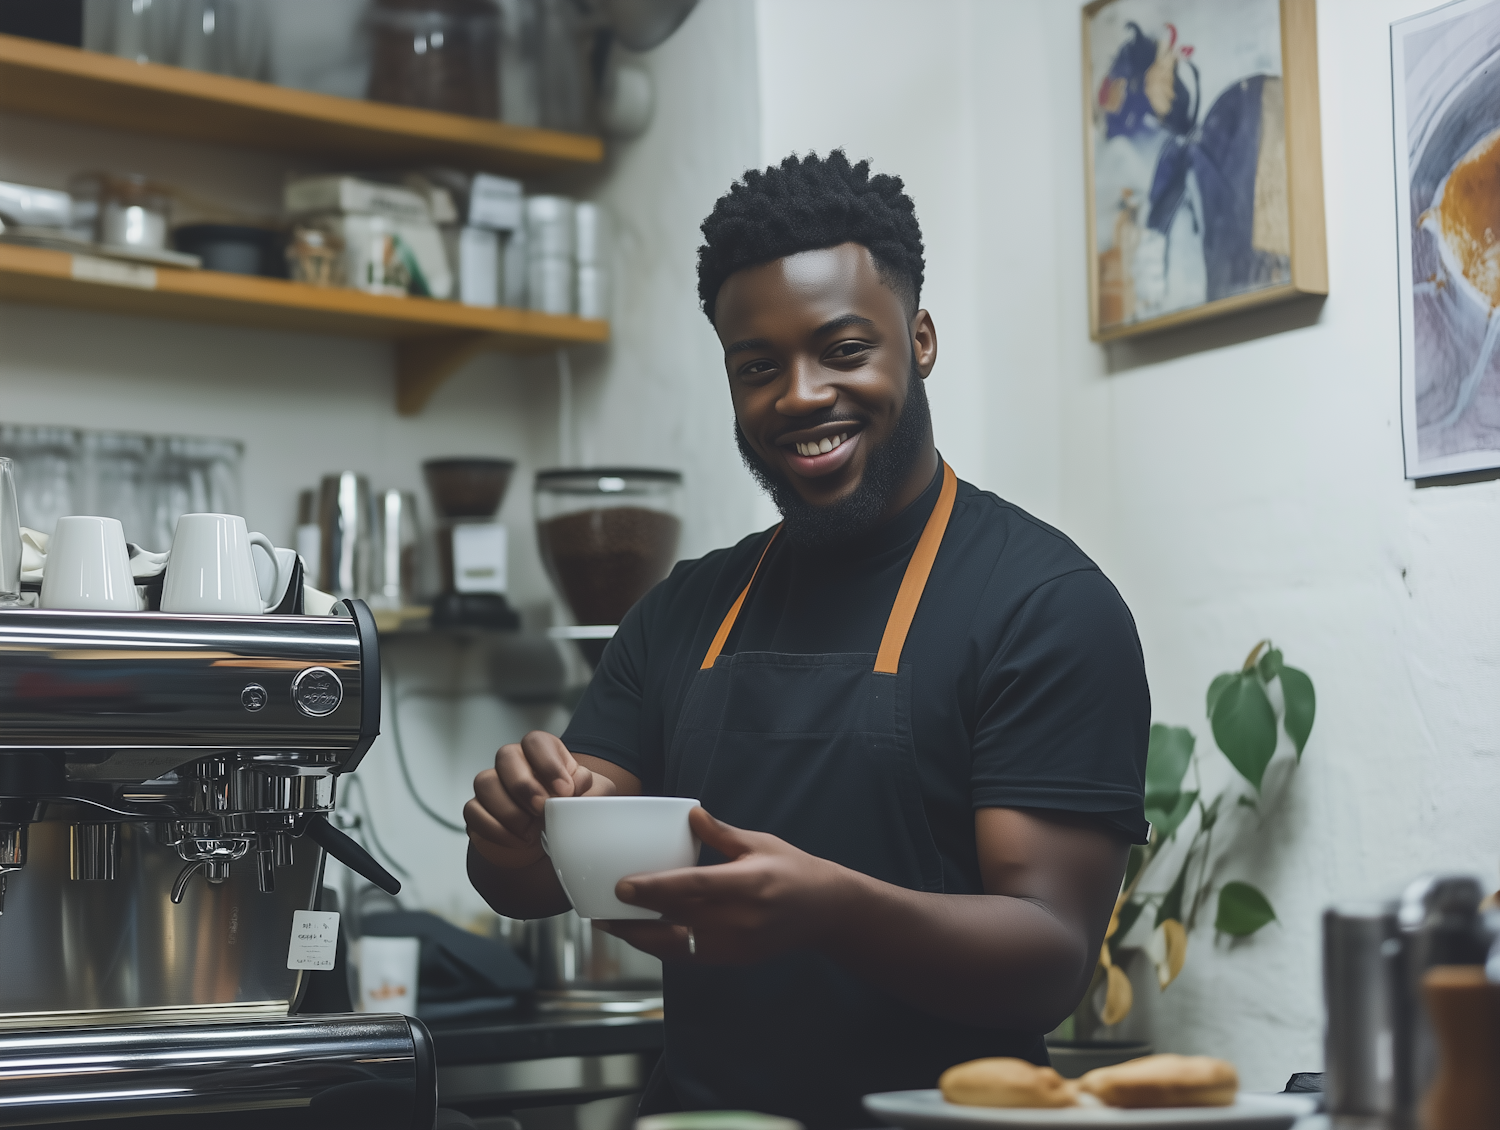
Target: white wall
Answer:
[[864, 76], [1244, 480]]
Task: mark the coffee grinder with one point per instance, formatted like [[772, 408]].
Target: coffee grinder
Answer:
[[471, 546], [165, 788]]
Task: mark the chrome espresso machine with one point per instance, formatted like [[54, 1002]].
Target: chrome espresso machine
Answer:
[[165, 788]]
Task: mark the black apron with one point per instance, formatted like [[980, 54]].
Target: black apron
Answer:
[[816, 749]]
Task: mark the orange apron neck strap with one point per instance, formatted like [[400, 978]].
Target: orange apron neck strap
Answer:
[[917, 571], [724, 629], [907, 598]]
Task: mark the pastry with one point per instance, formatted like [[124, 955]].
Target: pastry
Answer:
[[1164, 1080], [1005, 1082]]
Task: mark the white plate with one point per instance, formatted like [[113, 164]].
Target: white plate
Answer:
[[926, 1110]]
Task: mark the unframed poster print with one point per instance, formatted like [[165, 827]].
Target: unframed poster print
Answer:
[[1445, 73], [1191, 191]]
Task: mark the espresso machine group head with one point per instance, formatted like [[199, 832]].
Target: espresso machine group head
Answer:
[[221, 736], [165, 788]]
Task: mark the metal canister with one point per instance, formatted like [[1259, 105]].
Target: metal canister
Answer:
[[398, 544], [569, 955], [347, 522], [1362, 989]]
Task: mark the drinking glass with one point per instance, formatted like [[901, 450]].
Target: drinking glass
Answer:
[[190, 476], [47, 460], [10, 538], [135, 29], [228, 37], [117, 466]]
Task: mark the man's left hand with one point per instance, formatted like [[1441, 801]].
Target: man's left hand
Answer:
[[768, 898]]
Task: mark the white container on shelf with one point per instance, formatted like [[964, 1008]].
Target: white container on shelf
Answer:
[[589, 234], [513, 269], [478, 263], [549, 285], [592, 292], [495, 202], [549, 227], [306, 196], [373, 259]]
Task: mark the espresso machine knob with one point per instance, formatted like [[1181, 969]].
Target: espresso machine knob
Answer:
[[317, 692]]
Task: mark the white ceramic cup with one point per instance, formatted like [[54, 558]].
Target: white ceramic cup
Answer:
[[212, 571], [88, 567], [388, 969], [595, 841]]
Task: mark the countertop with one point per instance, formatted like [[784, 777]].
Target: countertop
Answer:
[[544, 1036]]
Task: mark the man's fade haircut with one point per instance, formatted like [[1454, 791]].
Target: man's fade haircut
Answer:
[[807, 203]]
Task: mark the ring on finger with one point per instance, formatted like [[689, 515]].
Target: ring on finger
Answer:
[[692, 943]]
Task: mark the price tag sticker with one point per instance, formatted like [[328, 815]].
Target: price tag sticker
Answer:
[[315, 936], [90, 268]]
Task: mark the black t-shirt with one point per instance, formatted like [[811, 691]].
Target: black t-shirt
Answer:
[[1029, 688]]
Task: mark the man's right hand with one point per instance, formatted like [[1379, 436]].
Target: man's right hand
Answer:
[[505, 817]]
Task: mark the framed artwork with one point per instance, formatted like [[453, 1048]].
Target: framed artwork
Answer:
[[1445, 76], [1203, 160]]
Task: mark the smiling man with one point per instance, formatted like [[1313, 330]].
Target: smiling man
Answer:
[[915, 716]]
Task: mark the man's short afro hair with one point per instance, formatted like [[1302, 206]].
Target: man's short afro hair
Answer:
[[806, 203]]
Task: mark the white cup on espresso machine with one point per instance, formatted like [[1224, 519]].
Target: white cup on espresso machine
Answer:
[[212, 570]]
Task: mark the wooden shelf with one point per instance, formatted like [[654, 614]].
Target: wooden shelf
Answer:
[[432, 338], [104, 90]]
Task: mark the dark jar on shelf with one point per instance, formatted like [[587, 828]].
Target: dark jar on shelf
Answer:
[[437, 54]]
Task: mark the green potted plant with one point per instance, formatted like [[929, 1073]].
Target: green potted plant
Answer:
[[1247, 709]]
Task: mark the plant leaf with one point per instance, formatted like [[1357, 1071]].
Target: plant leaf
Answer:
[[1118, 997], [1167, 756], [1242, 910], [1216, 688], [1166, 822], [1174, 946], [1245, 726], [1171, 905], [1301, 706], [1269, 665]]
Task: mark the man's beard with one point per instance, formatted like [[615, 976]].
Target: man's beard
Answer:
[[887, 469]]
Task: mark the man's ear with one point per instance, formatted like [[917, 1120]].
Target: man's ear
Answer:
[[923, 343]]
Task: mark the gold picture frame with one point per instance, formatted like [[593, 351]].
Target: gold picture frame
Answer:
[[1203, 168]]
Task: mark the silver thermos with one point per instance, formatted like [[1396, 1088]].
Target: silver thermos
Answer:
[[1380, 1056], [1362, 992]]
